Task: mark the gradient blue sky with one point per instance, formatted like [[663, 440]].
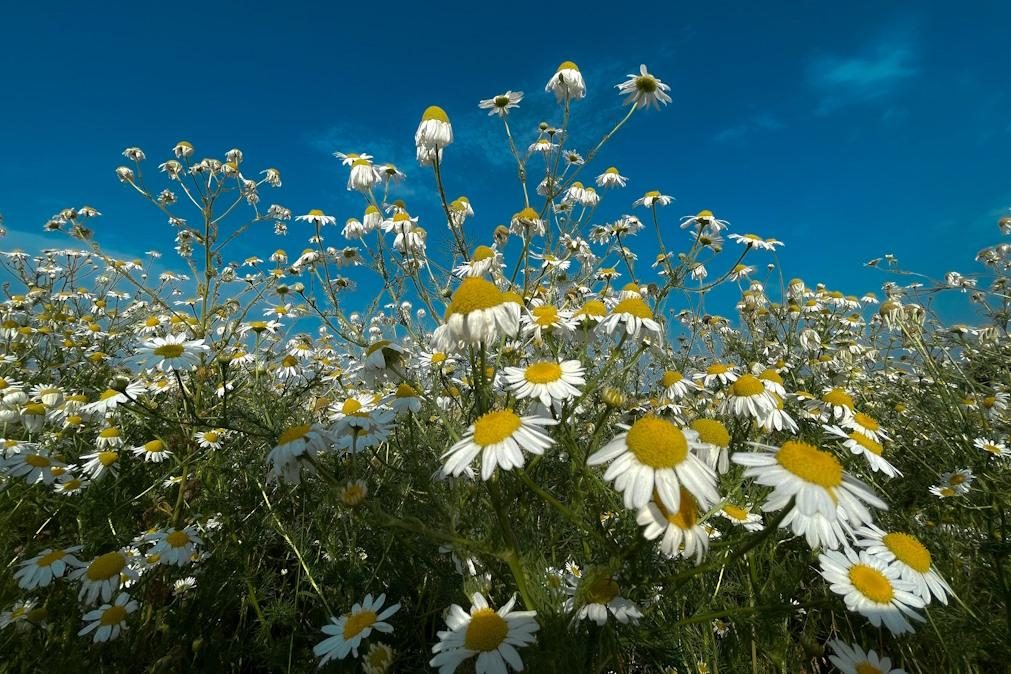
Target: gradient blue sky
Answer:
[[846, 130]]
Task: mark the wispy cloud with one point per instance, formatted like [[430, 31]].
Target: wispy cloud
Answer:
[[871, 74], [764, 121]]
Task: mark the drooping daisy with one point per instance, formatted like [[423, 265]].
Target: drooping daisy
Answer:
[[108, 620], [594, 595], [835, 404], [994, 448], [777, 418], [682, 534], [174, 352], [40, 570], [405, 399], [492, 636], [860, 444], [872, 588], [98, 464], [829, 502], [632, 317], [478, 312], [292, 443], [349, 630], [547, 381], [318, 217], [611, 178], [103, 576], [910, 556], [717, 374], [654, 454], [501, 104], [153, 451], [713, 443], [482, 260], [653, 198], [547, 319], [567, 83], [434, 132], [644, 90], [175, 547], [499, 436], [747, 397], [852, 659], [742, 516]]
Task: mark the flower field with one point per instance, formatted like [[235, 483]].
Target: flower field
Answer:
[[531, 447]]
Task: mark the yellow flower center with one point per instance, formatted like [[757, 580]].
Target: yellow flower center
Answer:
[[736, 512], [567, 65], [71, 485], [292, 434], [34, 409], [838, 398], [909, 550], [494, 427], [688, 514], [210, 436], [356, 622], [634, 306], [871, 583], [771, 375], [545, 316], [353, 494], [108, 433], [592, 308], [169, 350], [646, 84], [486, 630], [177, 539], [867, 443], [810, 463], [482, 253], [543, 373], [154, 446], [501, 101], [406, 391], [107, 566], [712, 432], [867, 668], [956, 479], [717, 368], [289, 361], [866, 421], [381, 344], [747, 385], [670, 377], [152, 322], [474, 294], [113, 615], [435, 112], [602, 590], [657, 442], [37, 461], [54, 556], [108, 393], [108, 458]]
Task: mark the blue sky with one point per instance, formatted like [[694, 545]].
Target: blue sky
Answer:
[[846, 130]]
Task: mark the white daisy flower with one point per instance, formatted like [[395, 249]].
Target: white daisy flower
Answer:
[[865, 424], [910, 556], [644, 90], [742, 516], [748, 397], [103, 576], [593, 596], [872, 588], [567, 83], [97, 464], [108, 620], [175, 547], [713, 443], [632, 317], [318, 217], [349, 630], [852, 659], [994, 448], [717, 374], [294, 442], [40, 570], [547, 381], [656, 455], [33, 463], [492, 636], [676, 385], [683, 536], [499, 436], [611, 178], [174, 352], [653, 198], [478, 312], [501, 104], [860, 444], [434, 132]]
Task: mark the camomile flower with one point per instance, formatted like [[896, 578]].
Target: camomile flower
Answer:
[[682, 534], [175, 547], [632, 317], [547, 381], [353, 493], [994, 448], [109, 399], [97, 464], [747, 397], [363, 176], [33, 463], [483, 260], [713, 443], [499, 436], [546, 318], [852, 659], [211, 439], [71, 485], [834, 404], [655, 455], [478, 312], [960, 480], [944, 491], [644, 90], [40, 570], [828, 501], [595, 595], [755, 241], [910, 556], [653, 198], [860, 444], [103, 576], [434, 132], [318, 217], [292, 443], [567, 83], [865, 424], [108, 620], [349, 630], [527, 220], [777, 418], [492, 636], [501, 104], [717, 374], [153, 451], [676, 385], [872, 588], [405, 399], [742, 516], [378, 659], [611, 178], [18, 614], [174, 352]]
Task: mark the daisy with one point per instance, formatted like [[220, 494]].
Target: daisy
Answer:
[[40, 570], [211, 439], [492, 636], [676, 385], [828, 501], [353, 493], [644, 90], [406, 399], [835, 404], [994, 448], [434, 132], [360, 422], [653, 198], [567, 83], [363, 176], [593, 595], [499, 437], [348, 631], [103, 576], [20, 611], [742, 516], [682, 534], [292, 443], [747, 397], [755, 241], [97, 464], [318, 217], [860, 444], [611, 178], [865, 424], [851, 659], [109, 399], [654, 454], [717, 374], [175, 547], [777, 418], [71, 485], [378, 659], [547, 318], [960, 480], [632, 317], [527, 220], [174, 352], [478, 312], [501, 104], [33, 463], [153, 451], [547, 381], [913, 560], [713, 443], [108, 620], [482, 261], [873, 588]]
